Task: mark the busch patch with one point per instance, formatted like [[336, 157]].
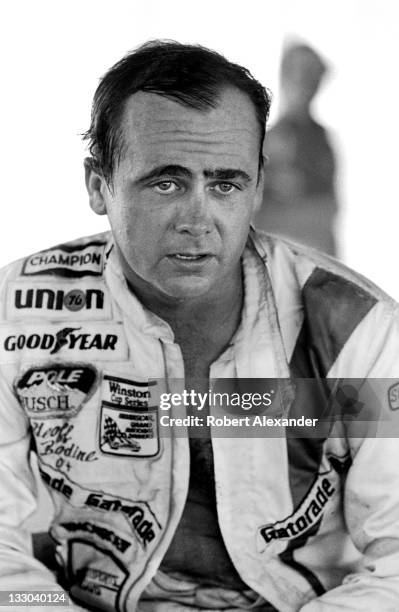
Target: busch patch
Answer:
[[91, 340], [129, 423], [55, 301], [96, 576], [57, 390], [66, 260], [393, 396], [304, 517]]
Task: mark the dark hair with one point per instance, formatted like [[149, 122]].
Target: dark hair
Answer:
[[190, 74]]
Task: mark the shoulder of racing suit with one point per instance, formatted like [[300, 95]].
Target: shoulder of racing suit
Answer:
[[56, 282], [59, 296], [77, 258], [330, 300]]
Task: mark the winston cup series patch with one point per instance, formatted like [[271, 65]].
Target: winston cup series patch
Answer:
[[129, 418]]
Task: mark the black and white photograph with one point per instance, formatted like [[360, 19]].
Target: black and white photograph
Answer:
[[199, 327]]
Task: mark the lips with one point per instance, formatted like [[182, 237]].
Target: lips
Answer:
[[189, 256], [190, 253]]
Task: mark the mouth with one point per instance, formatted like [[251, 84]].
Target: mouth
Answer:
[[190, 258]]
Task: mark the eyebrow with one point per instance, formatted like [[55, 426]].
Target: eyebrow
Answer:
[[182, 171], [227, 173], [159, 171]]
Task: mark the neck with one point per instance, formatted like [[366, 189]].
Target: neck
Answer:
[[213, 309]]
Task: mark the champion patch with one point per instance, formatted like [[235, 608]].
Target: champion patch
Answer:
[[55, 301], [129, 421], [393, 396], [66, 260], [57, 390]]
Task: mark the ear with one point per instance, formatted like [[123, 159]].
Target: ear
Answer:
[[96, 188], [259, 189]]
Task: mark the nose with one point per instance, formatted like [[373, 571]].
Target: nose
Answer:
[[194, 215]]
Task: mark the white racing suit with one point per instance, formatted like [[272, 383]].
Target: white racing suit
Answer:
[[310, 524]]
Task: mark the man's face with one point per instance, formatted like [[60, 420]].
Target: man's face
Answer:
[[184, 192]]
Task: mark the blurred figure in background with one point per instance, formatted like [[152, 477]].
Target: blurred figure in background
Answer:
[[299, 197]]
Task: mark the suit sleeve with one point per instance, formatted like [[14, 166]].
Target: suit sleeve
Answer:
[[19, 570], [371, 498]]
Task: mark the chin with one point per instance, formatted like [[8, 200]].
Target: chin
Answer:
[[187, 289]]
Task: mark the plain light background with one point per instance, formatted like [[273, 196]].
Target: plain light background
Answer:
[[52, 54]]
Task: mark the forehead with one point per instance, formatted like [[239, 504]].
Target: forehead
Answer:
[[155, 127]]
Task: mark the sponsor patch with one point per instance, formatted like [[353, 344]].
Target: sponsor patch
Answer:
[[88, 341], [393, 396], [129, 421], [137, 514], [55, 390], [304, 517], [105, 534], [96, 576], [56, 301], [134, 512], [68, 261]]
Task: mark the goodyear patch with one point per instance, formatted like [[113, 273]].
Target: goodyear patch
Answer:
[[83, 341], [129, 418], [393, 396], [68, 261], [55, 390], [96, 576], [57, 301]]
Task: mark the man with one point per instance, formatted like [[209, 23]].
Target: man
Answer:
[[181, 296], [301, 174]]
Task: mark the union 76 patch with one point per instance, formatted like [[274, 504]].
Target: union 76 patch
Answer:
[[129, 420]]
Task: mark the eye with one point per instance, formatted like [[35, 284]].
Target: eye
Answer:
[[224, 188], [166, 187]]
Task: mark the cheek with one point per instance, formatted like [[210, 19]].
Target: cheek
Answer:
[[235, 235], [140, 234]]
